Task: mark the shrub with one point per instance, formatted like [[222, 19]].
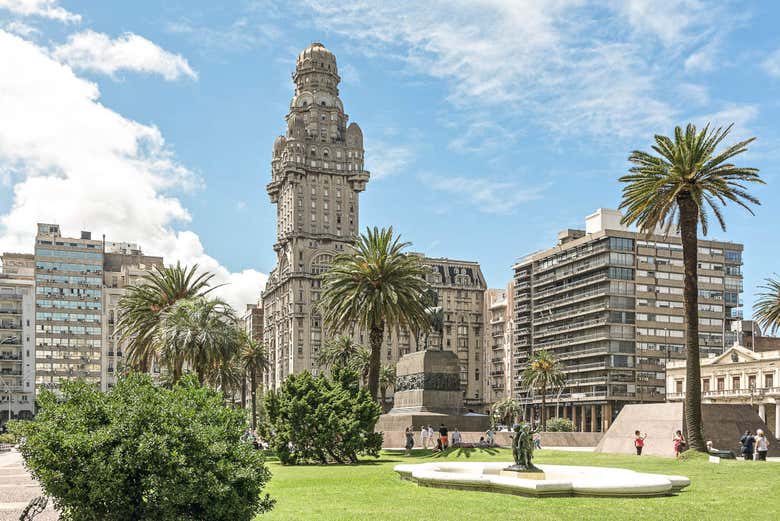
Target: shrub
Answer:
[[560, 425], [319, 419], [7, 437], [141, 452]]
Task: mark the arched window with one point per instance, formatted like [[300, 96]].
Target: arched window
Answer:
[[321, 263]]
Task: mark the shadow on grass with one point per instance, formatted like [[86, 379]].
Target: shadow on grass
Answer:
[[461, 452]]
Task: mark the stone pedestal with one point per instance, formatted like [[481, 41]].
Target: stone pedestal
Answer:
[[521, 474], [427, 392]]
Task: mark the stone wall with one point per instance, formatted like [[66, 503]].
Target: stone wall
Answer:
[[396, 439]]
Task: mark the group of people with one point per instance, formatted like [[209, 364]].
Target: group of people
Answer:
[[678, 441], [442, 439], [251, 436], [754, 446]]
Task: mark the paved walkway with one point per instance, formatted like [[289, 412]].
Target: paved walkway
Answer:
[[17, 488]]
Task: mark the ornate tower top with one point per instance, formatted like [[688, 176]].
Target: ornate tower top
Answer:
[[315, 70]]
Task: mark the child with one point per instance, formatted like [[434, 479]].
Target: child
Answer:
[[639, 442], [679, 443]]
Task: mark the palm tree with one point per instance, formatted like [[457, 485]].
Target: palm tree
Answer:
[[767, 307], [140, 308], [677, 188], [361, 364], [506, 410], [254, 358], [543, 373], [375, 287], [338, 351], [386, 380], [197, 331]]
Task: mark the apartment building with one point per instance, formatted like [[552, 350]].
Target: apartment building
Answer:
[[607, 302], [498, 383], [78, 284], [17, 336]]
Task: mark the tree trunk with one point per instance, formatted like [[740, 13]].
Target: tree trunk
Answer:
[[383, 393], [375, 336], [689, 222], [253, 391], [243, 391], [543, 415]]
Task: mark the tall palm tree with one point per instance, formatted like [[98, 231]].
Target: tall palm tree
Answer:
[[254, 358], [140, 308], [361, 364], [339, 350], [386, 380], [677, 188], [767, 308], [543, 373], [506, 410], [375, 287], [197, 331]]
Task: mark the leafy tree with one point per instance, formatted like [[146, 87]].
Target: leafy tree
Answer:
[[339, 350], [141, 306], [543, 373], [144, 452], [560, 425], [375, 287], [767, 307], [676, 189], [254, 358], [361, 364], [386, 380], [321, 419], [506, 411]]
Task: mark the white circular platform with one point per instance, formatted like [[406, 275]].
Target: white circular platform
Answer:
[[560, 480]]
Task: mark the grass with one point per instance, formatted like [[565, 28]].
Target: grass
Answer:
[[372, 491]]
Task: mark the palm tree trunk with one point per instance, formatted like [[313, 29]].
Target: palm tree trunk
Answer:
[[375, 336], [689, 222], [243, 392], [253, 390], [543, 416], [383, 393]]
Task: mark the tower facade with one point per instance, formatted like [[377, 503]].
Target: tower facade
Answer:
[[317, 175]]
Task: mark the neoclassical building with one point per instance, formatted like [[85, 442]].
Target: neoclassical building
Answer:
[[317, 175]]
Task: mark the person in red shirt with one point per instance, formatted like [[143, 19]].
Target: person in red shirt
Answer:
[[639, 442]]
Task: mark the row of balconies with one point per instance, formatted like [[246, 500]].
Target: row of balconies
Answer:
[[573, 256], [599, 306], [573, 326]]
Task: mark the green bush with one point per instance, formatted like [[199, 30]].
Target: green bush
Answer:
[[7, 437], [318, 419], [560, 425], [141, 452]]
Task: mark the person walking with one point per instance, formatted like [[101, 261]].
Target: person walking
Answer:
[[762, 445], [443, 434], [424, 437], [747, 441], [431, 435], [679, 443], [639, 442], [409, 441], [490, 436], [537, 439]]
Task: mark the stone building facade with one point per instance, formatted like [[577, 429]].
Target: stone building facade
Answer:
[[498, 382], [317, 175]]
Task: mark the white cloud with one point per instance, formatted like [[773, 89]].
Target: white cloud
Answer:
[[92, 51], [670, 20], [386, 159], [772, 64], [21, 28], [349, 74], [43, 8], [75, 162], [702, 60], [487, 195]]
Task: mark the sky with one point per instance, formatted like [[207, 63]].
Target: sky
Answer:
[[489, 125]]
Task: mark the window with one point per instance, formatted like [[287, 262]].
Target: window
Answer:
[[769, 381], [735, 383], [678, 386], [620, 243], [621, 273], [721, 384], [752, 381], [705, 385]]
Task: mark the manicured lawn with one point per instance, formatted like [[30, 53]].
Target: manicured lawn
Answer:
[[731, 490]]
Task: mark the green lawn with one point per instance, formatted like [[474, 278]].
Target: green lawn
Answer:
[[731, 490]]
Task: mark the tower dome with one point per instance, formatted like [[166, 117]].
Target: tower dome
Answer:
[[315, 70], [317, 56]]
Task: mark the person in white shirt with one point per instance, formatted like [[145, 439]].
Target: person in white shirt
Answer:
[[424, 436], [456, 439], [762, 445]]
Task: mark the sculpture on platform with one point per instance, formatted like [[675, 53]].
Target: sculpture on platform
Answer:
[[523, 449]]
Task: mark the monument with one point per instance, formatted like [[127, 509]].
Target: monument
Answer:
[[428, 392], [523, 454]]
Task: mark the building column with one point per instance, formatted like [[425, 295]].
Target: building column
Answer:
[[574, 416], [593, 418], [777, 420], [606, 417], [582, 418], [762, 411]]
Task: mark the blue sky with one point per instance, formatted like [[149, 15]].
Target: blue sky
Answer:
[[489, 125]]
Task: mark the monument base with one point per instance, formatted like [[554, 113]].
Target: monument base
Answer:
[[522, 474]]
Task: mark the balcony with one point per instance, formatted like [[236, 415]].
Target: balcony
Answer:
[[575, 255], [572, 313], [571, 299], [574, 326], [571, 285], [573, 340], [742, 394]]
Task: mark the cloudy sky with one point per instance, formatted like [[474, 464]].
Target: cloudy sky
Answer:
[[489, 124]]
